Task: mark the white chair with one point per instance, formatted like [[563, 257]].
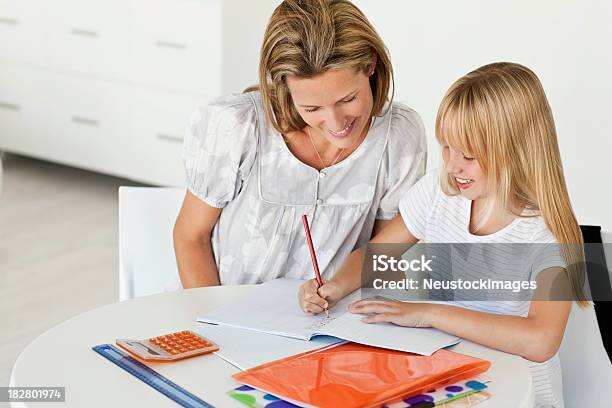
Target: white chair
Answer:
[[587, 371], [147, 263]]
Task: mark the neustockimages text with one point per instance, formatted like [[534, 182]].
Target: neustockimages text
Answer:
[[384, 263]]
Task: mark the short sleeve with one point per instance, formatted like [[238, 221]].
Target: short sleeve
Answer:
[[546, 251], [416, 204], [406, 158], [220, 148]]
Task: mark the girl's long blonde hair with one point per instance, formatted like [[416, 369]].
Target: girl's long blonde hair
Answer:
[[309, 37], [499, 114]]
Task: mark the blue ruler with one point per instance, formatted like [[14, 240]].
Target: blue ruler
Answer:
[[150, 377]]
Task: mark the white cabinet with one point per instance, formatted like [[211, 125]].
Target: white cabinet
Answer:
[[108, 85], [88, 36], [21, 30], [87, 123], [21, 97], [177, 44], [157, 127]]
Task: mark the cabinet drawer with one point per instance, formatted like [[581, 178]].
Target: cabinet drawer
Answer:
[[21, 32], [177, 44], [90, 37], [16, 107], [159, 121], [86, 123]]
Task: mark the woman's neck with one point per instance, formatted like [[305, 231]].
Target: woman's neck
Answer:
[[313, 152]]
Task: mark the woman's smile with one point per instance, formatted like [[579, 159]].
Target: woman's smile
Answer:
[[344, 132]]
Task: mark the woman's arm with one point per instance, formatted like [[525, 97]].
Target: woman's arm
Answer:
[[192, 244], [536, 337]]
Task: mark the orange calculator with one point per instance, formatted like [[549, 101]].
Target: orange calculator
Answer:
[[170, 347]]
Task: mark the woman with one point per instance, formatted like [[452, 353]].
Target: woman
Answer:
[[320, 137]]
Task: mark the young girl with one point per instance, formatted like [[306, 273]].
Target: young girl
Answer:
[[502, 182]]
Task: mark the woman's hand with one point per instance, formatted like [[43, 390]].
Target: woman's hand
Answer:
[[314, 300], [393, 311]]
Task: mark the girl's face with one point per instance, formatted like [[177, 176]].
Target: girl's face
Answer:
[[336, 104], [466, 171]]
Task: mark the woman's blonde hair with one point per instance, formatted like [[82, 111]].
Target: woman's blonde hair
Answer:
[[305, 38], [499, 114]]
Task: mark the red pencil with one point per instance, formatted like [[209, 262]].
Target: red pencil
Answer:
[[313, 255]]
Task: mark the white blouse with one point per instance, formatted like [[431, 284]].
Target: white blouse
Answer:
[[235, 161]]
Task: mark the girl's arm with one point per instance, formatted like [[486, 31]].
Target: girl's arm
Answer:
[[192, 244], [348, 277], [536, 337], [379, 225]]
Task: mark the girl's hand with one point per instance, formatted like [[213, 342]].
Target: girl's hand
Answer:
[[393, 311], [314, 301]]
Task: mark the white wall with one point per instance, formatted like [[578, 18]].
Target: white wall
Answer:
[[567, 43]]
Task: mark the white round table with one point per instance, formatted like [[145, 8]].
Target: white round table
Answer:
[[62, 356]]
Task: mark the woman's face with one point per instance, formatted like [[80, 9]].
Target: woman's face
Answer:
[[336, 104]]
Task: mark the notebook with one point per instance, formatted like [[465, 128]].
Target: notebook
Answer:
[[272, 308], [354, 375], [247, 348]]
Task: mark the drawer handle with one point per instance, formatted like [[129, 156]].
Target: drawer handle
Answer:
[[85, 121], [9, 106], [170, 138], [8, 21], [83, 33], [174, 45]]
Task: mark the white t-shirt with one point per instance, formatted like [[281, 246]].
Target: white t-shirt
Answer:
[[434, 217]]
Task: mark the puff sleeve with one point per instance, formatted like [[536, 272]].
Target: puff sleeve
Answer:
[[219, 149], [405, 159]]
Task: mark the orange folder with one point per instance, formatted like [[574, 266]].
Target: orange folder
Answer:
[[354, 375]]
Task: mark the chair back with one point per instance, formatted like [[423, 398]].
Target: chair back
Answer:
[[147, 263], [587, 370]]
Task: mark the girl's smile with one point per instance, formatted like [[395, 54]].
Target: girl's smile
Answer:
[[464, 184], [465, 171]]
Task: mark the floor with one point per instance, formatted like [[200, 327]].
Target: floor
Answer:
[[58, 235]]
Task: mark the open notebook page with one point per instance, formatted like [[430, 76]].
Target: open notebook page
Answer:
[[248, 348], [272, 308]]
